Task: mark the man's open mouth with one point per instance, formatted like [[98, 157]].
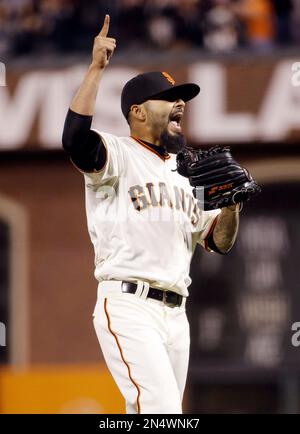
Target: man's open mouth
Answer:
[[175, 120]]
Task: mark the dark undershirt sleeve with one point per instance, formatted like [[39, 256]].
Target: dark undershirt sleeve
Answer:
[[84, 146]]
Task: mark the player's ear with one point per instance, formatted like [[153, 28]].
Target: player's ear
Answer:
[[138, 112]]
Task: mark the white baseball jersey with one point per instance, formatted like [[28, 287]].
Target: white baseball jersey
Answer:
[[142, 217]]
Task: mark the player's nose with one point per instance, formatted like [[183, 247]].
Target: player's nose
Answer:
[[179, 103]]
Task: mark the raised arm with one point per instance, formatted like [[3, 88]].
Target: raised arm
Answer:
[[85, 98], [83, 145]]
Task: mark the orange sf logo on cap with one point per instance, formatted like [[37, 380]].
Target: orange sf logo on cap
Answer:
[[168, 77]]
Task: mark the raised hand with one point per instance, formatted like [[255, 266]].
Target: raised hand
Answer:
[[103, 46]]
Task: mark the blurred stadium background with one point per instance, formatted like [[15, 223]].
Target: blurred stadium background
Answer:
[[245, 55]]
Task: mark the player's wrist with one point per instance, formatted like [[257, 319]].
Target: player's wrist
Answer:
[[96, 66], [236, 207]]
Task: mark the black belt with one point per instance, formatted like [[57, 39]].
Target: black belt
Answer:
[[170, 298]]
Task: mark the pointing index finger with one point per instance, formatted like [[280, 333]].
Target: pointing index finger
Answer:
[[105, 27]]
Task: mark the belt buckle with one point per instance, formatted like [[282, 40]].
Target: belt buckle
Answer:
[[165, 300]]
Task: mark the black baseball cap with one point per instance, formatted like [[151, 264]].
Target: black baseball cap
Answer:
[[155, 85]]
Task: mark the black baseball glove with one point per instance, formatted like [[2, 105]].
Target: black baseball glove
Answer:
[[218, 180]]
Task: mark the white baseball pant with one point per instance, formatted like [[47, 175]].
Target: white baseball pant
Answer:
[[145, 345]]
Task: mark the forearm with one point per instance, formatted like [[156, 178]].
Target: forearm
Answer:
[[226, 229], [83, 145], [85, 99]]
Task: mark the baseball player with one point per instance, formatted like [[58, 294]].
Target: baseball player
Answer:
[[144, 224]]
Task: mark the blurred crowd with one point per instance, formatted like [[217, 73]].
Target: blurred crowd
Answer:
[[68, 26]]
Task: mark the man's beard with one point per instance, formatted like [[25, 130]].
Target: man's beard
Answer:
[[172, 142]]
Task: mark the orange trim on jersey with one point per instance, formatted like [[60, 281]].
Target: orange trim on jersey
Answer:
[[150, 149], [211, 229], [122, 356]]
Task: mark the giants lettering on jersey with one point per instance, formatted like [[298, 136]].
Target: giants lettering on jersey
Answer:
[[144, 196]]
